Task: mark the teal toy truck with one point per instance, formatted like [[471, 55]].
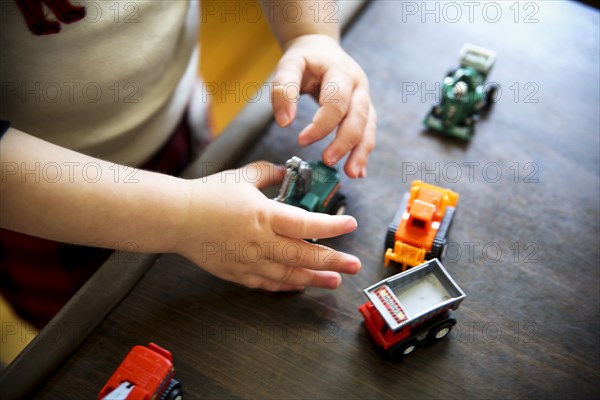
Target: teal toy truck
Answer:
[[464, 94], [312, 186]]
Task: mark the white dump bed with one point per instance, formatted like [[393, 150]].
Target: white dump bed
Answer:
[[478, 57], [415, 295]]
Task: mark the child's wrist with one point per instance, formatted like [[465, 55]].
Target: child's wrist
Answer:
[[309, 36]]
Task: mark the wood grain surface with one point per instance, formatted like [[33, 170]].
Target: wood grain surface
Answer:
[[524, 244]]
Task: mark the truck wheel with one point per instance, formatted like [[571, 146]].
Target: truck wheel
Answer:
[[437, 248], [440, 332], [403, 349], [173, 391], [390, 238], [176, 395], [339, 208], [490, 96]]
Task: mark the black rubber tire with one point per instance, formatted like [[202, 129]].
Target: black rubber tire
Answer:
[[440, 332], [337, 202], [173, 391], [490, 96], [437, 248], [390, 238], [339, 208], [402, 350]]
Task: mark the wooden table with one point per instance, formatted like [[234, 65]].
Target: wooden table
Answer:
[[524, 244]]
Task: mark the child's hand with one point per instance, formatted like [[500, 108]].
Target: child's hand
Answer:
[[236, 233], [316, 64]]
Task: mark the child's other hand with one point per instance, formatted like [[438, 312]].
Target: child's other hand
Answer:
[[236, 233], [316, 64]]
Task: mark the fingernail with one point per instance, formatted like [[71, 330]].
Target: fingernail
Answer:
[[352, 224], [302, 141], [353, 265], [282, 118], [358, 266], [331, 160], [363, 172], [335, 281]]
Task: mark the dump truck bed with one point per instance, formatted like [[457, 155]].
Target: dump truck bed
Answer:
[[415, 295]]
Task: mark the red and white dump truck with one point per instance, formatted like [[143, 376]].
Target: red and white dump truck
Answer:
[[412, 308]]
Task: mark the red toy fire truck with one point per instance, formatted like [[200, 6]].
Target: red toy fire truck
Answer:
[[412, 308], [145, 374]]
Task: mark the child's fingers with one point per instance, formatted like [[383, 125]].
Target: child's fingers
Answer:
[[335, 95], [301, 254], [294, 222], [262, 174], [286, 89], [294, 277], [351, 132], [359, 156]]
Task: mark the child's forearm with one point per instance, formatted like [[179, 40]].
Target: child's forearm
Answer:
[[58, 194], [222, 223], [290, 19]]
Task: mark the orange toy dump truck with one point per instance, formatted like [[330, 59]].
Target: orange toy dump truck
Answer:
[[419, 229]]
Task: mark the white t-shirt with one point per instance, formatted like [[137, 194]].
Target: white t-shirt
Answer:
[[113, 84]]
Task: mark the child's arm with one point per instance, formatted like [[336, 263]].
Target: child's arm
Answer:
[[314, 62], [223, 223]]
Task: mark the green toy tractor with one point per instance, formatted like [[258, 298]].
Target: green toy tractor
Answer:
[[464, 94], [312, 186]]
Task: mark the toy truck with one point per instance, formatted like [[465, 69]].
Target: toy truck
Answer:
[[412, 308], [420, 226], [312, 186], [464, 95], [146, 373]]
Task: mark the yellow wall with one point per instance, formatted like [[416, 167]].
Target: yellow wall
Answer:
[[16, 334], [238, 52]]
